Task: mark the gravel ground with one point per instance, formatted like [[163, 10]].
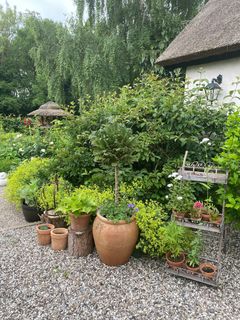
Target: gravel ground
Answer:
[[37, 283], [9, 216]]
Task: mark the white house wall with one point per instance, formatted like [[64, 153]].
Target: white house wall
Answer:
[[229, 69]]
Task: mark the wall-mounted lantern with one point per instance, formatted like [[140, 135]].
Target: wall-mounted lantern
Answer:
[[213, 89]]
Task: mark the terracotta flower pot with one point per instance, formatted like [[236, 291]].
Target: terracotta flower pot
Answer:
[[193, 269], [208, 270], [44, 236], [114, 242], [59, 237], [80, 223], [205, 215], [175, 264], [178, 215], [57, 220], [216, 221]]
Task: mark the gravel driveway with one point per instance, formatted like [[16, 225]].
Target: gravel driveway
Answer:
[[37, 283]]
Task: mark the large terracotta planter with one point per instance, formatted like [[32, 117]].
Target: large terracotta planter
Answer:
[[80, 223], [59, 237], [114, 242], [44, 236]]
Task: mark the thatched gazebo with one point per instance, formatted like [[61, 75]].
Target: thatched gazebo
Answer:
[[49, 112]]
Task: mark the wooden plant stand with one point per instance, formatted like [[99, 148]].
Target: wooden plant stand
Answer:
[[80, 243]]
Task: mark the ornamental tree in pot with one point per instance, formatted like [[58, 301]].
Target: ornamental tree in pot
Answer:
[[114, 229]]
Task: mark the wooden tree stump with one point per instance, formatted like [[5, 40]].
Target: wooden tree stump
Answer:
[[80, 243]]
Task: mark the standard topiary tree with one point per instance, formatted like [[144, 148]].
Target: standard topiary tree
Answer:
[[115, 145]]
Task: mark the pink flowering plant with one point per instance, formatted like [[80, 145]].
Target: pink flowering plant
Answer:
[[196, 211]]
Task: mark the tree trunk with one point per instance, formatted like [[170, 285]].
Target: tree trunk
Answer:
[[80, 243], [116, 184]]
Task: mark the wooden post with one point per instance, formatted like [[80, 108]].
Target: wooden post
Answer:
[[80, 243]]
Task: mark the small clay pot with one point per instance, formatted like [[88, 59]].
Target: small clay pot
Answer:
[[193, 269], [208, 270], [217, 221], [205, 217], [178, 215], [80, 223], [175, 264], [59, 237], [44, 236]]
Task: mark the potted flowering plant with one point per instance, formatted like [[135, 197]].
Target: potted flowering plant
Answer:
[[180, 199], [115, 230], [196, 212]]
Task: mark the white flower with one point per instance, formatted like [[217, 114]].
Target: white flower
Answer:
[[178, 177], [169, 185], [179, 198], [42, 150], [204, 140], [18, 135], [51, 143], [166, 197], [21, 150], [209, 143], [173, 175]]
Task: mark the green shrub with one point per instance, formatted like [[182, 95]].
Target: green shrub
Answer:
[[151, 220], [230, 160], [23, 175], [165, 122]]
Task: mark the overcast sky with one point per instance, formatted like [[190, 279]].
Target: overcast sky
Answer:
[[56, 10]]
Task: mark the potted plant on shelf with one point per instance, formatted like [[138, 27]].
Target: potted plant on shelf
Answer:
[[180, 199], [175, 240], [114, 229], [213, 212], [208, 270], [193, 253], [30, 208], [196, 212]]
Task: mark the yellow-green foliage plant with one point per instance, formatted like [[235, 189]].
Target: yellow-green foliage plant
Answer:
[[151, 222], [36, 168]]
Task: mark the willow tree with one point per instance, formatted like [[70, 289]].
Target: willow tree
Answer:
[[118, 40]]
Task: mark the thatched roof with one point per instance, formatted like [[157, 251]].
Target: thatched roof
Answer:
[[49, 109], [215, 31]]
